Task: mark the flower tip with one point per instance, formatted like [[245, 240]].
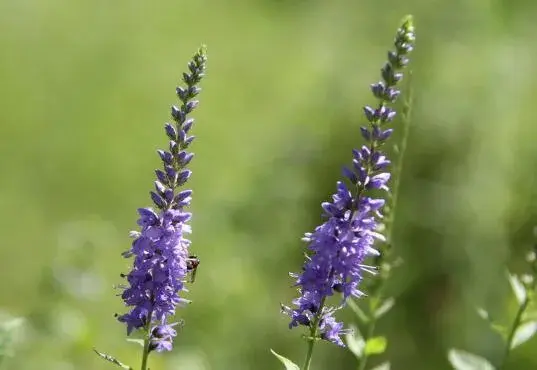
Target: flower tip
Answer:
[[408, 22]]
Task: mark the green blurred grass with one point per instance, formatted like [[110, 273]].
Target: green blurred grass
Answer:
[[86, 88]]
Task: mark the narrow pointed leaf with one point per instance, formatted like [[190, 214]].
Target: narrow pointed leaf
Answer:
[[530, 314], [518, 288], [355, 342], [384, 307], [113, 360], [383, 366], [375, 345], [10, 331], [462, 360], [140, 342], [482, 313], [358, 311], [289, 365], [12, 324], [500, 329], [524, 333]]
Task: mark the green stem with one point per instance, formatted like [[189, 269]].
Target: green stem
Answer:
[[406, 119], [516, 323], [313, 336], [309, 354], [145, 355], [377, 293], [519, 314], [369, 334], [514, 327]]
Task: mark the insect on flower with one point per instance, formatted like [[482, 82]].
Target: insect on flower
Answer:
[[192, 264]]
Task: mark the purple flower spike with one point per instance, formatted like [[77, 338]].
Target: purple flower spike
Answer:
[[161, 248], [338, 248]]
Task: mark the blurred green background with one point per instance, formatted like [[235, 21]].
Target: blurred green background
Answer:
[[85, 91]]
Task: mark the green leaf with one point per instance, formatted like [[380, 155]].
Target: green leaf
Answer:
[[518, 288], [383, 366], [384, 307], [358, 311], [524, 333], [12, 324], [136, 341], [289, 365], [376, 345], [462, 360], [355, 342], [113, 360], [482, 313], [530, 314], [10, 333], [502, 330]]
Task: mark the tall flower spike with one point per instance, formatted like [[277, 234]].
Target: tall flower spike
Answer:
[[337, 248], [160, 249]]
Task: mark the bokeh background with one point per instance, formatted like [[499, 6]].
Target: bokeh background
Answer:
[[85, 91]]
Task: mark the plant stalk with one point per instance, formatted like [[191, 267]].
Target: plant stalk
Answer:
[[313, 336], [145, 354], [370, 331], [377, 294], [516, 323]]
